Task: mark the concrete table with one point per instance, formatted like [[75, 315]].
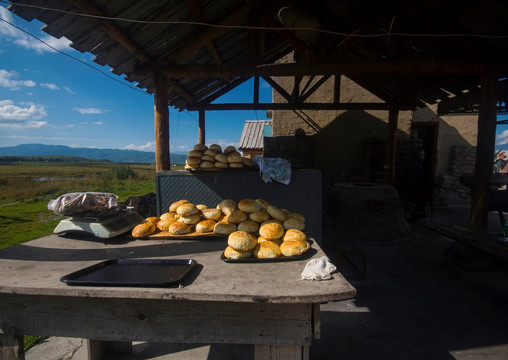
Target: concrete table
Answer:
[[264, 304]]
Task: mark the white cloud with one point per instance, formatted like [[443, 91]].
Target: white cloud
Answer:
[[98, 123], [149, 146], [23, 116], [49, 86], [89, 110], [7, 81], [69, 90], [502, 139], [18, 37]]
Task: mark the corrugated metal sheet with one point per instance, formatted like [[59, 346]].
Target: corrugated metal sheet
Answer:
[[469, 31], [252, 135]]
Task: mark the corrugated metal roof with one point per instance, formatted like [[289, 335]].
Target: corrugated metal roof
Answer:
[[353, 31], [252, 135]]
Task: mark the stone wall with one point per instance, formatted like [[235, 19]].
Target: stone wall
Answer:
[[461, 162]]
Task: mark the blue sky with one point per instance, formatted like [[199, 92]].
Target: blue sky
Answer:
[[50, 98]]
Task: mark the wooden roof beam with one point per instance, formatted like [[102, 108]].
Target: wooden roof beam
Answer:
[[197, 13], [427, 66]]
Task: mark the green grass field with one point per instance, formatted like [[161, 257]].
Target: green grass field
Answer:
[[24, 196]]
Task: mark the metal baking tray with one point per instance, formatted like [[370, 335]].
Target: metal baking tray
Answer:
[[132, 272], [254, 260]]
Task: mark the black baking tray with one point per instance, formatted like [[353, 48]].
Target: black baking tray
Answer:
[[132, 272], [254, 260]]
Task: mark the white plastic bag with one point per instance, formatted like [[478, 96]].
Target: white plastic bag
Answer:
[[84, 204], [273, 168], [318, 269]]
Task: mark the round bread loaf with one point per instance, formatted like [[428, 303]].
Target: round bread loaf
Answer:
[[236, 165], [276, 213], [220, 165], [143, 230], [224, 228], [192, 219], [205, 226], [249, 226], [190, 168], [227, 206], [222, 158], [292, 223], [211, 214], [247, 162], [259, 216], [187, 209], [176, 204], [294, 248], [215, 147], [242, 241], [200, 147], [202, 207], [271, 230], [236, 216], [235, 158], [294, 235], [229, 149], [163, 225], [194, 154], [277, 241], [210, 153], [208, 158], [263, 203], [179, 228], [267, 250], [233, 254], [248, 205], [167, 216], [206, 165], [153, 219], [297, 216], [192, 161]]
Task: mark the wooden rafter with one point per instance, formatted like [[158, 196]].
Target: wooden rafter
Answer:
[[197, 13], [123, 39]]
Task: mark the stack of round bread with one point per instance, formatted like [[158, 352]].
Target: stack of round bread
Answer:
[[212, 157]]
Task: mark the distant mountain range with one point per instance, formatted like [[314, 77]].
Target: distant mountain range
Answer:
[[115, 155]]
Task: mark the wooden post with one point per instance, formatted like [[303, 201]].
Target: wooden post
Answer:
[[201, 124], [485, 147], [161, 122], [391, 146]]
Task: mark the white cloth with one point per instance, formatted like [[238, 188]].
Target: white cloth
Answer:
[[318, 269]]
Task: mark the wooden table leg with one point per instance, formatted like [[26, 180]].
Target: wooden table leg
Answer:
[[11, 347], [281, 352], [98, 349]]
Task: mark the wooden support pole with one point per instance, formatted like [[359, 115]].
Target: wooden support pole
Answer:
[[391, 146], [161, 122], [201, 124], [485, 147]]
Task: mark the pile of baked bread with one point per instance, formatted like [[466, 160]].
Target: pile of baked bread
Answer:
[[248, 223], [212, 157]]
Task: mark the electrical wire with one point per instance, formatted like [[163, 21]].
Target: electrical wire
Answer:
[[247, 27]]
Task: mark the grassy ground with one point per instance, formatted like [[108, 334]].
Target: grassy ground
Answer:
[[24, 197]]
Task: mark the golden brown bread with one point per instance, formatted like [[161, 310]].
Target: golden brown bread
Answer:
[[276, 241], [187, 209], [294, 248], [242, 241], [220, 165], [294, 235], [260, 216], [271, 230], [211, 214], [143, 230], [276, 213], [221, 158], [236, 217], [195, 154], [179, 228], [153, 219], [215, 147], [229, 149], [176, 204], [167, 216], [164, 224], [263, 203], [231, 253], [190, 219], [200, 147], [205, 226], [249, 226], [267, 250], [224, 228], [227, 205], [293, 223], [249, 205], [206, 165]]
